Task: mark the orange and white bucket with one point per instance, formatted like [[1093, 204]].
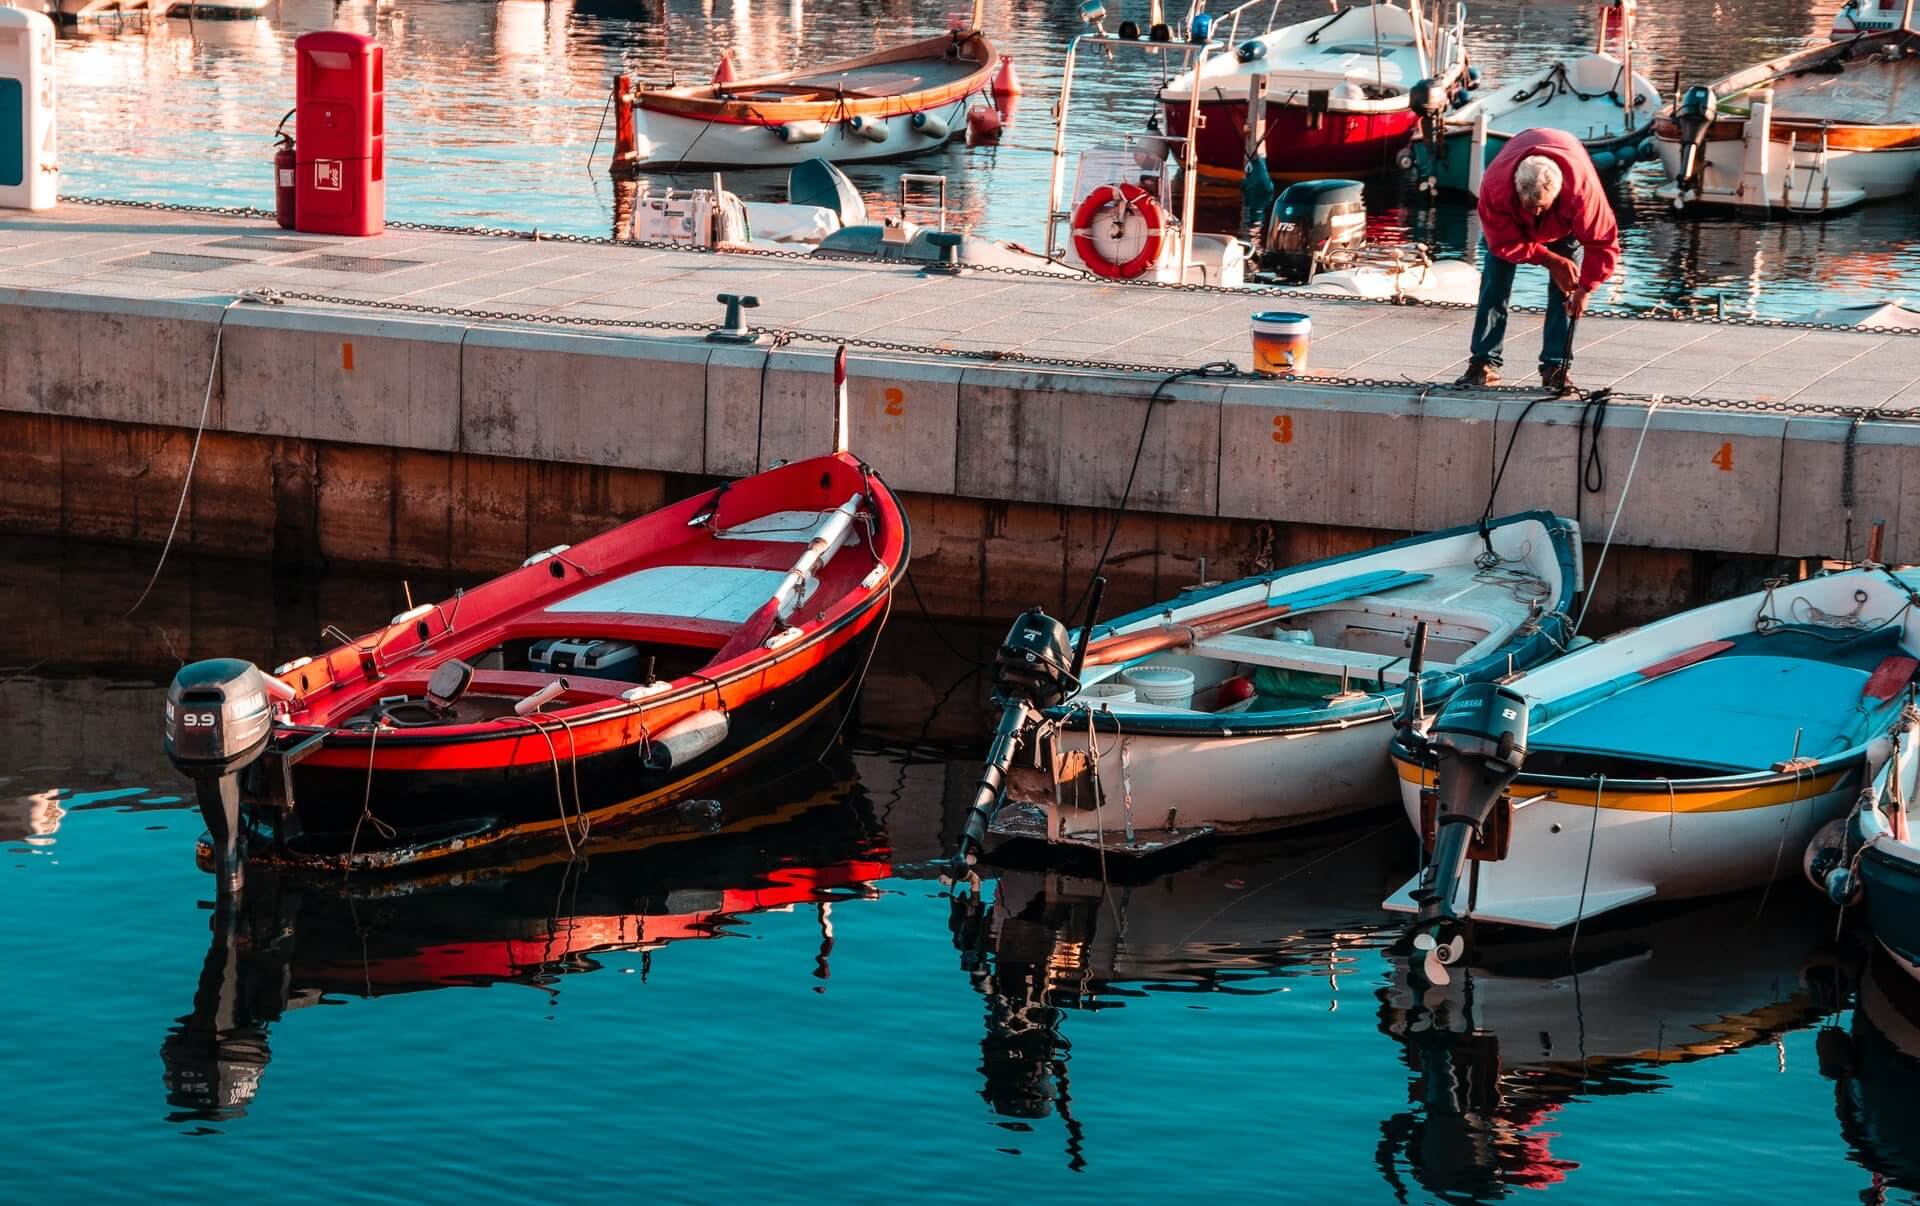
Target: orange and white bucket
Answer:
[[1280, 342]]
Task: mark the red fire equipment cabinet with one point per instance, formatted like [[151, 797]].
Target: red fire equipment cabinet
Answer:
[[340, 133]]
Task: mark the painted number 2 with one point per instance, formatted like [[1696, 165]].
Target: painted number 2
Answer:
[[1283, 429], [1724, 458], [896, 401]]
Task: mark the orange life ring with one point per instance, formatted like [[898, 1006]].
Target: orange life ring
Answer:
[[1127, 197]]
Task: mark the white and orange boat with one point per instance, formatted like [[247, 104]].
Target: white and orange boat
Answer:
[[885, 105], [596, 683]]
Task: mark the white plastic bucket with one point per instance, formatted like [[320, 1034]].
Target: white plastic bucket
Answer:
[[1169, 686], [1280, 342], [1110, 692]]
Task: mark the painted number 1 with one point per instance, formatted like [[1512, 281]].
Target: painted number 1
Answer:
[[1724, 458], [896, 402], [1283, 429]]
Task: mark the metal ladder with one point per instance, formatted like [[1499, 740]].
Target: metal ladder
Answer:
[[1810, 162]]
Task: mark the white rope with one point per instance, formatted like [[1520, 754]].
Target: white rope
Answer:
[[1619, 508]]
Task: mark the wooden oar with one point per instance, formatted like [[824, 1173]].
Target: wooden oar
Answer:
[[1124, 647]]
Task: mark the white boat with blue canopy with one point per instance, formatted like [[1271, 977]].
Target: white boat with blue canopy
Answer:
[[1691, 757], [1266, 702]]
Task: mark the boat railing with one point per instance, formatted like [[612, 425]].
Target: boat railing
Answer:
[[927, 180], [1193, 57]]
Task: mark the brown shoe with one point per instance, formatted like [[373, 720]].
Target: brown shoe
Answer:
[[1554, 377], [1479, 375]]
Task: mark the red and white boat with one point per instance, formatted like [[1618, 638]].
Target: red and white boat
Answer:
[[597, 682], [1339, 95]]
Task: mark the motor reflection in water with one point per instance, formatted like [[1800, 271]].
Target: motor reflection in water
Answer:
[[1043, 944], [1529, 1031], [808, 840]]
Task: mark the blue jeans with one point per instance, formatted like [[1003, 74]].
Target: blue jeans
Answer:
[[1490, 322]]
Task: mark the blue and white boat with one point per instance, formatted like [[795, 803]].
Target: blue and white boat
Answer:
[[1266, 702]]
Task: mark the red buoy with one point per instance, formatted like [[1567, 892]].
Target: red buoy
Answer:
[[1005, 81], [723, 71], [983, 125], [1235, 689]]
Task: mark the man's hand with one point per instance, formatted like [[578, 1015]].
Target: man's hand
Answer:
[[1563, 271], [1577, 302]]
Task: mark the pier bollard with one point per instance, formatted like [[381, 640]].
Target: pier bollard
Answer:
[[734, 326], [948, 242]]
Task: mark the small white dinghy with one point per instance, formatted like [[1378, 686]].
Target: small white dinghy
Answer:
[[1262, 703], [1691, 757]]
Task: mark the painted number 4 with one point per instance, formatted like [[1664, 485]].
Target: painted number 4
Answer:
[[1723, 459]]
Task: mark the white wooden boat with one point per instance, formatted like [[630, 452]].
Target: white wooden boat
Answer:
[[1817, 130], [1691, 757], [1280, 690], [885, 105]]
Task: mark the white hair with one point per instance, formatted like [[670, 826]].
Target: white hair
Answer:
[[1536, 181]]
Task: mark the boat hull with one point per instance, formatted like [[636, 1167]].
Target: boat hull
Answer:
[[424, 813], [670, 141], [1648, 845], [1854, 173], [1449, 170], [1299, 145], [1890, 878]]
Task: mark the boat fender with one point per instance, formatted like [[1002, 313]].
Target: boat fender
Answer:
[[1200, 28], [1250, 51], [723, 70], [983, 125], [1161, 32], [1006, 81], [1825, 863], [1130, 30], [541, 698], [801, 131], [869, 129], [1127, 197], [1649, 150], [930, 125], [684, 740], [1604, 162]]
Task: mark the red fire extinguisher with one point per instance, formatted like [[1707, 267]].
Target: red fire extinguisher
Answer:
[[283, 174]]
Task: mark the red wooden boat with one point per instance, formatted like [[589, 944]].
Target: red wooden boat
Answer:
[[597, 682]]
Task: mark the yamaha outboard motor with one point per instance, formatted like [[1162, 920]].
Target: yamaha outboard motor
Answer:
[[1037, 667], [219, 718], [1427, 100], [1694, 116], [1310, 218], [1480, 743]]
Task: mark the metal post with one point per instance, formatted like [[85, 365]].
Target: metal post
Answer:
[[1060, 148], [1256, 116], [1190, 162], [1632, 94]]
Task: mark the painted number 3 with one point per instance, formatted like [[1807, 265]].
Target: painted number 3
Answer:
[[896, 402], [1724, 458], [1283, 429]]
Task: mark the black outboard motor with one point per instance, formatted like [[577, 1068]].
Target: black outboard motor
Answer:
[[219, 718], [1480, 743], [1694, 117], [1036, 668], [1310, 218]]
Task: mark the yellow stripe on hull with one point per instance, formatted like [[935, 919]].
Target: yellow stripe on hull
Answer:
[[1682, 798]]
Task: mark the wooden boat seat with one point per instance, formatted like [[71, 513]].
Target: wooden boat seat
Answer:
[[1868, 92], [1314, 659]]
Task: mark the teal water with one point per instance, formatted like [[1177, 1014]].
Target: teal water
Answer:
[[497, 115], [792, 1008]]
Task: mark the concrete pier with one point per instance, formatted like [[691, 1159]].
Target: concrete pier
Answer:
[[452, 401]]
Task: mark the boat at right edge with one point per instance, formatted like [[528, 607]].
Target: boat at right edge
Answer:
[[1817, 130], [1692, 757]]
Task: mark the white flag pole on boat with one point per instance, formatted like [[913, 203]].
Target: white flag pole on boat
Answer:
[[840, 399]]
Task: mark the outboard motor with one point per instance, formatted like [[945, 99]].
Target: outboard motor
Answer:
[[219, 718], [1694, 117], [1310, 218], [1427, 100], [1480, 743], [1036, 668]]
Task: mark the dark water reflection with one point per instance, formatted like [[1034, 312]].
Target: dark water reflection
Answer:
[[773, 988], [497, 115]]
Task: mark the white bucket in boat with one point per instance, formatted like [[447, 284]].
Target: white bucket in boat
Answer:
[[1167, 685], [1110, 692]]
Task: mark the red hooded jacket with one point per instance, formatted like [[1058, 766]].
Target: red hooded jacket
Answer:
[[1581, 210]]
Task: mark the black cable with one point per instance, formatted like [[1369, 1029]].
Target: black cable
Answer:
[[1214, 368], [1591, 468]]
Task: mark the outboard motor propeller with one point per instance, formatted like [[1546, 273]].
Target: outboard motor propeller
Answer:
[[1035, 668], [219, 718], [1694, 117], [1480, 743]]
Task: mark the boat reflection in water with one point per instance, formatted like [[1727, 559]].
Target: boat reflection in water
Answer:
[[808, 839], [1528, 1032], [1040, 945], [1876, 1068]]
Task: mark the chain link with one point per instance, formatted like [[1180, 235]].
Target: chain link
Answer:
[[782, 336]]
